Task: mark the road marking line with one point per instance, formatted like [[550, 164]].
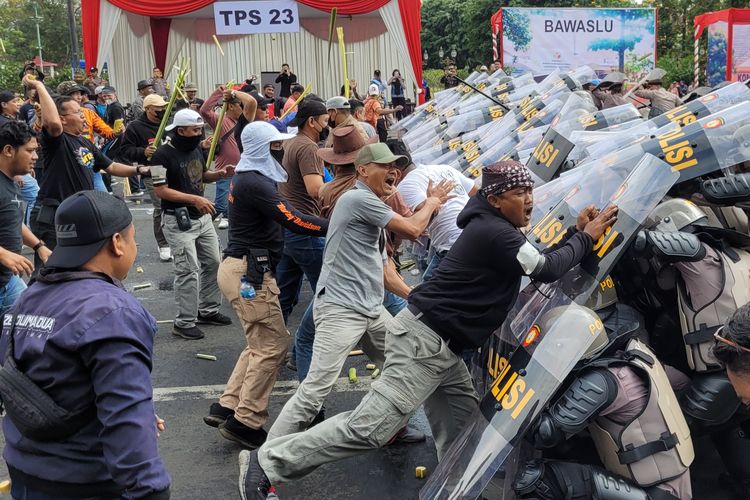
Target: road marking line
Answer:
[[280, 388]]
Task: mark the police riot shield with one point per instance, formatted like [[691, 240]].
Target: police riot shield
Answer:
[[525, 382], [552, 151], [707, 105]]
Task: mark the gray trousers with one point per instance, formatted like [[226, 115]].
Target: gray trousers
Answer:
[[419, 369], [338, 330], [156, 203], [196, 263]]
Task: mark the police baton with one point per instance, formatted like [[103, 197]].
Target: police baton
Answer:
[[472, 87]]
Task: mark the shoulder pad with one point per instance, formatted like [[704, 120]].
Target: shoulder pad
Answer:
[[590, 393], [727, 190], [676, 246], [710, 399]]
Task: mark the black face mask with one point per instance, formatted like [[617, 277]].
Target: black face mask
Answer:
[[324, 134], [182, 143], [160, 115], [277, 154]]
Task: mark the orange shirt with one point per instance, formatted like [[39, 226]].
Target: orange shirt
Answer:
[[372, 105], [94, 124]]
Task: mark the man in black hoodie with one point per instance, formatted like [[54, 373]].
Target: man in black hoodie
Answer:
[[465, 301], [137, 148]]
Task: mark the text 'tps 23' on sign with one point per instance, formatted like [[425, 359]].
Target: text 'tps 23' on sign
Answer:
[[249, 18]]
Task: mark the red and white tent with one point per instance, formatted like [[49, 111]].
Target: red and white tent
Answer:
[[133, 36]]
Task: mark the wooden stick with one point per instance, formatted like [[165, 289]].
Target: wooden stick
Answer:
[[302, 96], [217, 130], [342, 49], [182, 71], [357, 352], [216, 41]]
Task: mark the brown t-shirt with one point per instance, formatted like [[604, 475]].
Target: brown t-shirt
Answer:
[[346, 178], [300, 159]]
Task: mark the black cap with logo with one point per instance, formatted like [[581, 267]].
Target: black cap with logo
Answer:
[[84, 223]]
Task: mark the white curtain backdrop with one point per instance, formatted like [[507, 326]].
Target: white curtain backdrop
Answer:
[[109, 19], [392, 19], [132, 57], [180, 31]]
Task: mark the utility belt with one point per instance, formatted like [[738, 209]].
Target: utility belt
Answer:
[[453, 346], [178, 211], [258, 264]]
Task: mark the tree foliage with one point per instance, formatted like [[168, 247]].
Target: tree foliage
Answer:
[[18, 33], [466, 24]]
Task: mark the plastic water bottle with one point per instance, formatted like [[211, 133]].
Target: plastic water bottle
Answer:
[[247, 290]]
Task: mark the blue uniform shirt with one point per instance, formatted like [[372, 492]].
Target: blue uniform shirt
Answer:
[[82, 341]]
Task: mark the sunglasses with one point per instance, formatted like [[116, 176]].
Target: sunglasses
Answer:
[[719, 337]]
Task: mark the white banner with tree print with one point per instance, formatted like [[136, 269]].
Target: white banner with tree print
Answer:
[[542, 40]]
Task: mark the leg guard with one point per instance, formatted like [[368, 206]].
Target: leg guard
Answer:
[[549, 480]]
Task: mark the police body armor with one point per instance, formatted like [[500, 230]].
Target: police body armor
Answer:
[[729, 218], [698, 327], [655, 446]]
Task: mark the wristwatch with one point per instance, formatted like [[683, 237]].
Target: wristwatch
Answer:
[[38, 246]]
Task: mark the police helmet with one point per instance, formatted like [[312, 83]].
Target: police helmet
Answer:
[[574, 320], [676, 214]]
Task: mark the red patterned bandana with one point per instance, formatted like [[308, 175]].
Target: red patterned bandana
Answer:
[[504, 176]]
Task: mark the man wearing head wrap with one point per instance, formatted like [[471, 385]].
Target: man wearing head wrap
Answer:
[[257, 215], [467, 299]]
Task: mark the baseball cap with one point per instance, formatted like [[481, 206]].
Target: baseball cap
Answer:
[[153, 100], [338, 102], [84, 223], [373, 90], [185, 118], [98, 90], [143, 84], [68, 87], [108, 90], [379, 153], [262, 101], [93, 68], [7, 96], [190, 86], [307, 108]]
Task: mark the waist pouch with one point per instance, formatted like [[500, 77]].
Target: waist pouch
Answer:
[[258, 264], [34, 413]]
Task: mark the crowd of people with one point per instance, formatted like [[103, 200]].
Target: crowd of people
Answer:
[[308, 189]]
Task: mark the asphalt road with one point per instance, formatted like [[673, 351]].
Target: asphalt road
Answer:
[[203, 465]]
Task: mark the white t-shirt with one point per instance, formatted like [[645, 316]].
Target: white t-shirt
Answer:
[[443, 229]]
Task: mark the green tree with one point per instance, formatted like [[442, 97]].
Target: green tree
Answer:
[[18, 32]]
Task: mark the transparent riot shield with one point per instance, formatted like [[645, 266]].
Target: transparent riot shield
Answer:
[[525, 382], [708, 104], [552, 151], [718, 141]]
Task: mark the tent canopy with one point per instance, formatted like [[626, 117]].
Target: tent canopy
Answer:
[[382, 33], [731, 17]]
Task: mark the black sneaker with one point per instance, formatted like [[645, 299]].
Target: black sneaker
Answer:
[[254, 484], [238, 432], [190, 333], [217, 415], [214, 319]]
